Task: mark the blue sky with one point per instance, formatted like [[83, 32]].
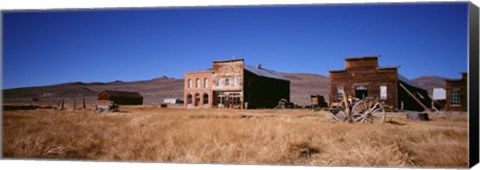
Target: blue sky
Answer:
[[51, 47]]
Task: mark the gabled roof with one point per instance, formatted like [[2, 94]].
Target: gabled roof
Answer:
[[113, 93], [408, 82], [262, 72]]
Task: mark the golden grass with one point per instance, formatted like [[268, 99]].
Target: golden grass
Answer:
[[301, 137]]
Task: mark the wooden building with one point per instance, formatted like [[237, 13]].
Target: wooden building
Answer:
[[232, 84], [456, 93], [317, 101], [363, 77], [121, 97], [172, 101]]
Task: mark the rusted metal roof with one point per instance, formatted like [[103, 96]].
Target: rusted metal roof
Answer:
[[262, 72]]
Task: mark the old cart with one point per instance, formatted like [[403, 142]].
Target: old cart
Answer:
[[366, 110]]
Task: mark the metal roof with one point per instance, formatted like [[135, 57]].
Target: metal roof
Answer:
[[262, 72]]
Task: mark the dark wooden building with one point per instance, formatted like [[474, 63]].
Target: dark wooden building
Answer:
[[363, 77], [232, 84], [263, 88], [456, 93], [121, 97], [317, 101]]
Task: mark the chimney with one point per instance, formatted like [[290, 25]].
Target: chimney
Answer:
[[259, 66]]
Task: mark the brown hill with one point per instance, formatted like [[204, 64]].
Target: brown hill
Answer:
[[302, 85], [153, 91], [429, 82]]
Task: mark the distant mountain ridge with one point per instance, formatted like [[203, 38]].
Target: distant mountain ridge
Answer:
[[429, 82], [153, 90], [302, 85]]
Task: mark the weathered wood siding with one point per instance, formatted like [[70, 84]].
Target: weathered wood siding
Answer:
[[365, 72], [407, 102], [230, 69], [460, 84], [263, 92]]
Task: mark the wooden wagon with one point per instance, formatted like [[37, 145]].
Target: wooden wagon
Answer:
[[366, 110]]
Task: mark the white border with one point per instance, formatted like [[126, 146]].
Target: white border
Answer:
[[88, 4], [19, 5]]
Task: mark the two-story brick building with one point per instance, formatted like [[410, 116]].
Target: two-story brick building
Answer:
[[232, 84], [198, 89]]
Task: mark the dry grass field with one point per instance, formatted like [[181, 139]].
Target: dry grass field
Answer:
[[300, 137]]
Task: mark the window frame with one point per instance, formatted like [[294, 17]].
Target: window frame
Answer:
[[235, 81], [227, 81], [197, 82], [218, 81], [455, 97], [189, 83], [383, 91], [339, 92]]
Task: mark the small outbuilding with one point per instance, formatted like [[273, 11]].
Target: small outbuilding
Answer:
[[318, 101], [121, 97], [172, 101]]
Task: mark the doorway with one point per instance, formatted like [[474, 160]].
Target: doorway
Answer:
[[361, 91], [197, 100]]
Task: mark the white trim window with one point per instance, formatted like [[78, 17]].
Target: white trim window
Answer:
[[197, 83], [205, 82], [339, 92], [383, 92], [455, 101], [189, 83], [235, 81], [217, 83], [227, 81]]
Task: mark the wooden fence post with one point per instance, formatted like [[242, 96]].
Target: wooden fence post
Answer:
[[74, 104], [84, 106]]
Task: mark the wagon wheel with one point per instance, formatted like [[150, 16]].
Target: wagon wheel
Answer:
[[368, 111], [338, 112], [339, 115]]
